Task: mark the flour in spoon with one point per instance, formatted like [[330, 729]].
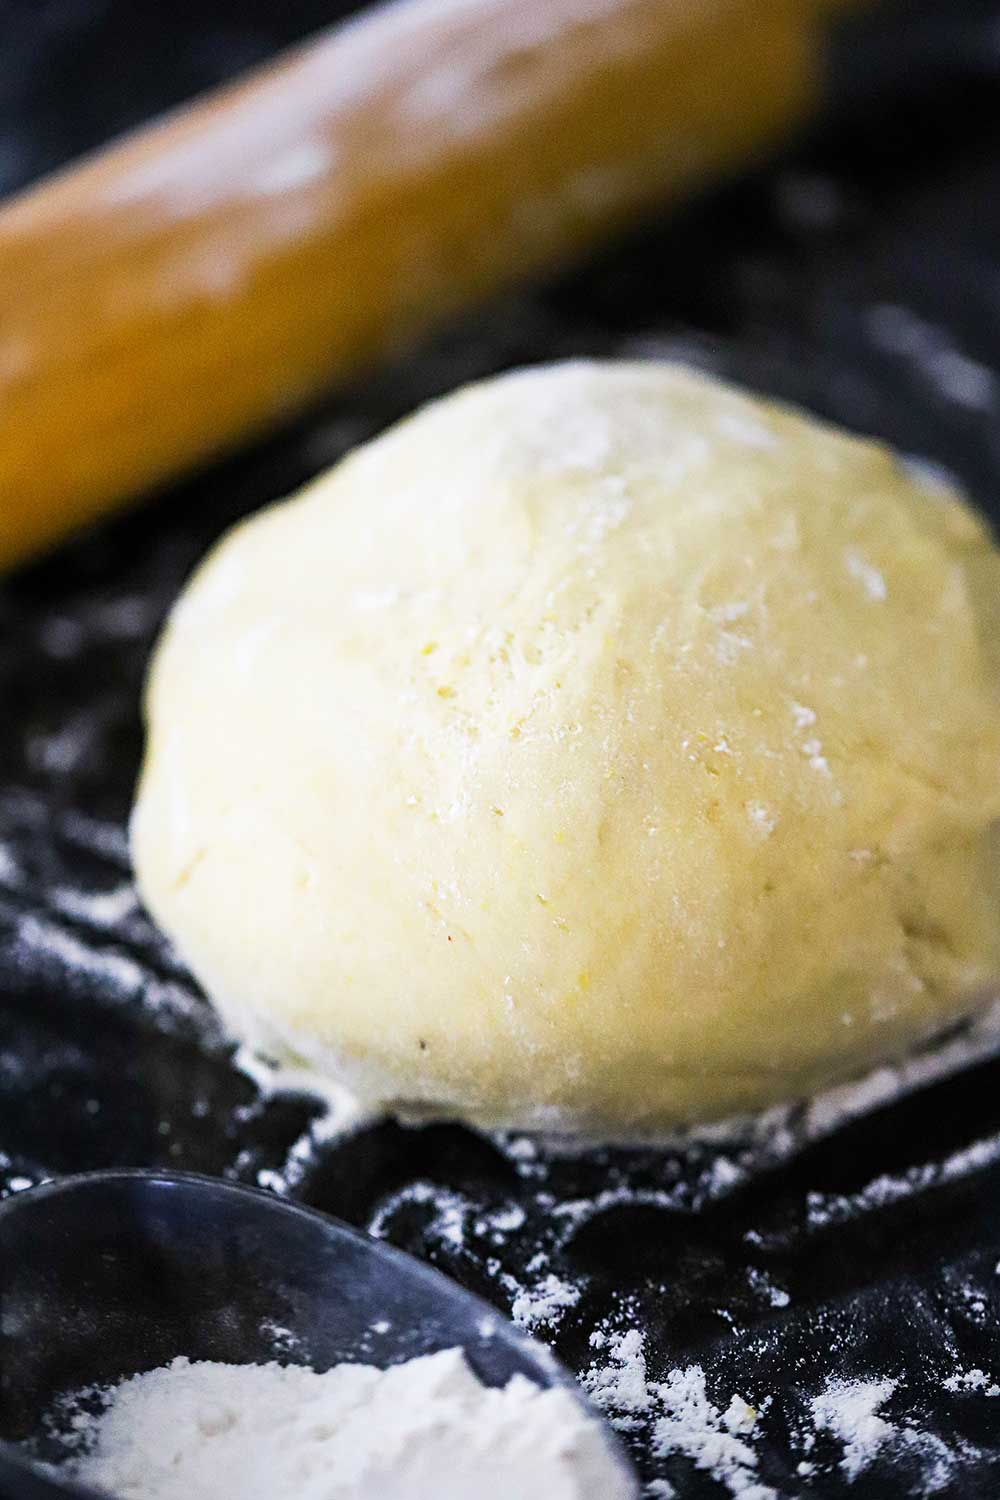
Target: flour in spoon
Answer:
[[426, 1428]]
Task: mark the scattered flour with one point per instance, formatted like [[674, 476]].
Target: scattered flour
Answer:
[[544, 1302], [112, 976], [681, 1417], [204, 1431], [825, 1209], [692, 1425], [450, 1212], [932, 352], [537, 1296], [501, 1221], [776, 1295], [620, 1387], [971, 1380], [781, 1133], [105, 909], [849, 1410], [676, 1417]]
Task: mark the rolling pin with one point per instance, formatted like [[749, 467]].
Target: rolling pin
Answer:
[[202, 278]]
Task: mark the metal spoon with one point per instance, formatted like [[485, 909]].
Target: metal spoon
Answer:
[[110, 1273]]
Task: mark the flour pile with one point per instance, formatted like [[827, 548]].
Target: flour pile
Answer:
[[190, 1431]]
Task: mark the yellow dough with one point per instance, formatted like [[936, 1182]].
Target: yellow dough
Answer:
[[600, 750]]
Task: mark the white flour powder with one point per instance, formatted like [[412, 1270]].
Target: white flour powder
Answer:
[[849, 1409], [427, 1428], [684, 1420], [677, 1418]]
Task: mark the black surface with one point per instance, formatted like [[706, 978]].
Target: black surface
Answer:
[[859, 275]]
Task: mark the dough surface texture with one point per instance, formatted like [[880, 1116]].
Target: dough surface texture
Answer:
[[601, 750]]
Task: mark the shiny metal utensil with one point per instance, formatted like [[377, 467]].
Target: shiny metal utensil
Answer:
[[110, 1273]]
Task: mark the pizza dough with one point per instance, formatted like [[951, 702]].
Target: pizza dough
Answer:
[[599, 751]]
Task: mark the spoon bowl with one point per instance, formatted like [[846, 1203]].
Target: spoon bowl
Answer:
[[111, 1273]]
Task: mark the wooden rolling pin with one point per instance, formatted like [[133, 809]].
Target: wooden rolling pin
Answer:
[[196, 281]]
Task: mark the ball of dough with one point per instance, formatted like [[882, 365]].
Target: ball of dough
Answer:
[[600, 750]]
